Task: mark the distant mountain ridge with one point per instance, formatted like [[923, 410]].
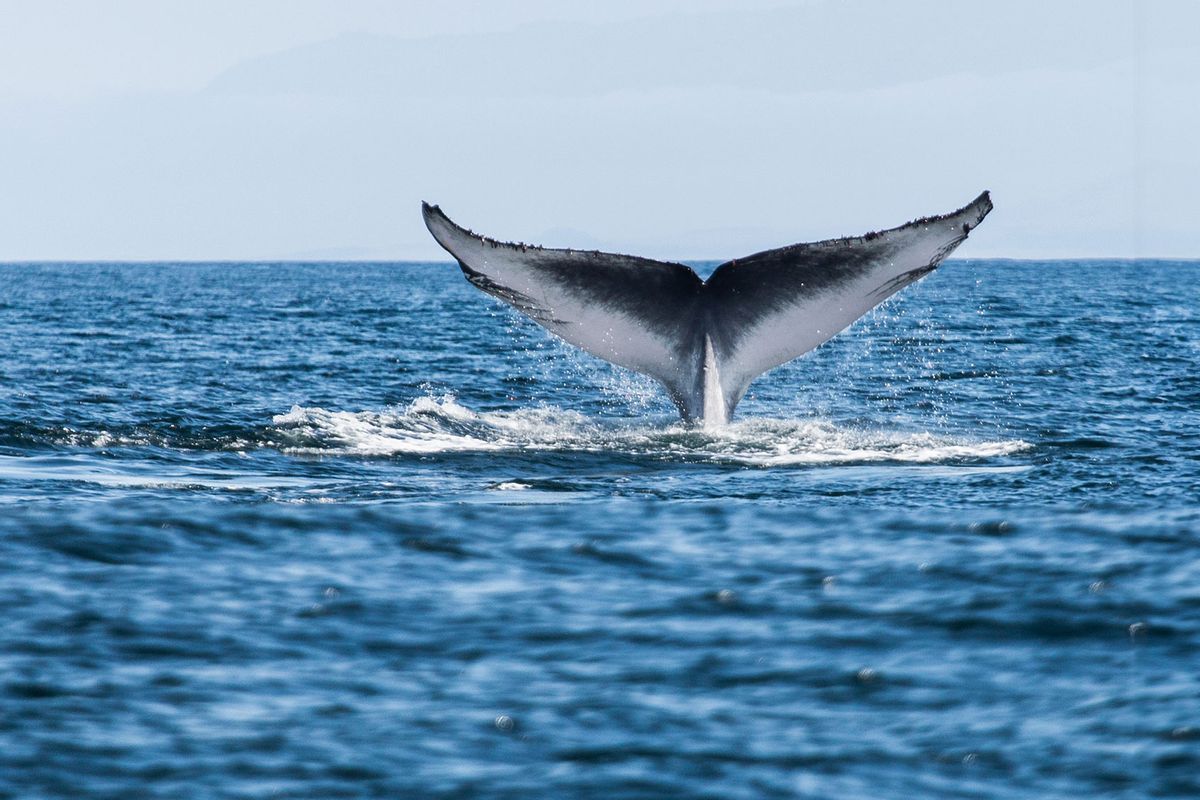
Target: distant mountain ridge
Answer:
[[764, 50]]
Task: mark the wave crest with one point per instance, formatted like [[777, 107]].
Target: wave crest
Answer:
[[432, 425]]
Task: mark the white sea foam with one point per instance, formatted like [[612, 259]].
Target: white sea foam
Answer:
[[432, 425]]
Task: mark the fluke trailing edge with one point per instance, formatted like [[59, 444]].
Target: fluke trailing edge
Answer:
[[705, 341]]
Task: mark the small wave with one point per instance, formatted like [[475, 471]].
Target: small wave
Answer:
[[511, 486], [20, 435], [432, 425]]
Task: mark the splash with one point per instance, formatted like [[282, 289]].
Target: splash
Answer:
[[432, 425]]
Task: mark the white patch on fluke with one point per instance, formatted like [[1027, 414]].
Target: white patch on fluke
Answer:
[[715, 413]]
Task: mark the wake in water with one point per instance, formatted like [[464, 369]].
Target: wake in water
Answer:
[[442, 425]]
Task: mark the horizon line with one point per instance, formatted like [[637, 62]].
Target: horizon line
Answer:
[[263, 261]]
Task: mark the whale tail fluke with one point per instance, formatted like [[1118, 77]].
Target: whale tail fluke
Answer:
[[705, 341]]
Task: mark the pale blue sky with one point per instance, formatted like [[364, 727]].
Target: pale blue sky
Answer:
[[707, 128]]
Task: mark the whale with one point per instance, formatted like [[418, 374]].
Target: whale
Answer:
[[704, 341]]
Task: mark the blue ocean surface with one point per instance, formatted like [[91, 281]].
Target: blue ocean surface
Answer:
[[349, 530]]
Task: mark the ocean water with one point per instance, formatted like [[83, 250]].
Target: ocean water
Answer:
[[356, 531]]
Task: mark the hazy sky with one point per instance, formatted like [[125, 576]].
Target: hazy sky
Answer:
[[699, 129]]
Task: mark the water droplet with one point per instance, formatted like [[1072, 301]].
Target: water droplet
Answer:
[[505, 724]]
